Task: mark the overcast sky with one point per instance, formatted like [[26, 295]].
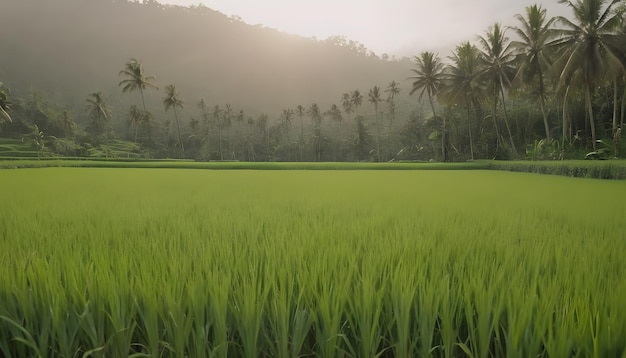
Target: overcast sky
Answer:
[[401, 27]]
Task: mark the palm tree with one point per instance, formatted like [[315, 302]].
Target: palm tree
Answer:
[[261, 123], [429, 76], [316, 116], [97, 109], [173, 101], [392, 90], [5, 106], [374, 98], [227, 123], [498, 58], [135, 117], [137, 80], [286, 117], [356, 99], [300, 113], [217, 113], [592, 48], [535, 33], [335, 115], [462, 82], [346, 103]]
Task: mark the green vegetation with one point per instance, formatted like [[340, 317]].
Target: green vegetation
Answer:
[[572, 168], [546, 88], [108, 262]]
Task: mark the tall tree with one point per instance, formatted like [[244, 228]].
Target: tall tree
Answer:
[[462, 82], [227, 123], [286, 117], [392, 91], [135, 116], [261, 124], [346, 103], [356, 98], [300, 113], [428, 78], [98, 110], [592, 48], [315, 114], [335, 115], [136, 79], [535, 33], [498, 61], [217, 116], [173, 101], [375, 99]]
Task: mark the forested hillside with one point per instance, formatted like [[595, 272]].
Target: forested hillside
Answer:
[[69, 48]]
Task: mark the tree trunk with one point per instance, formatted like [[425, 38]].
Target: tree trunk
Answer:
[[542, 104], [469, 126], [180, 140], [592, 123], [444, 149], [377, 132], [614, 107], [506, 121]]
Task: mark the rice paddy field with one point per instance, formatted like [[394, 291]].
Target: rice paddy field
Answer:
[[102, 262]]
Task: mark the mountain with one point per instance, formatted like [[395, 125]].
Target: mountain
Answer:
[[70, 48]]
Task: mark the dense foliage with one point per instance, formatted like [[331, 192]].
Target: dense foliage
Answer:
[[549, 88]]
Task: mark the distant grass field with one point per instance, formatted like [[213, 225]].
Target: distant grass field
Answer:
[[299, 263]]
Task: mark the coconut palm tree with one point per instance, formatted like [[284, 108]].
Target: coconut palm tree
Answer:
[[374, 98], [428, 79], [173, 101], [335, 115], [356, 98], [137, 80], [535, 33], [300, 112], [261, 124], [227, 123], [392, 91], [315, 114], [135, 118], [592, 48], [217, 114], [463, 84], [346, 103], [286, 116], [97, 109], [498, 62]]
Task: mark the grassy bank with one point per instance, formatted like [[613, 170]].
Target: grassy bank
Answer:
[[601, 169]]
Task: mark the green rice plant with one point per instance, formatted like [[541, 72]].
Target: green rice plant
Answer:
[[367, 307], [402, 291], [343, 263], [331, 299], [248, 306]]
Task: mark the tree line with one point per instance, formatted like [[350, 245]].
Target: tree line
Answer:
[[555, 91]]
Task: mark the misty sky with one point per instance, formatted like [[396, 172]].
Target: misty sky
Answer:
[[401, 27]]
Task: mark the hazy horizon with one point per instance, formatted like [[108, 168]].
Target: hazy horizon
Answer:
[[395, 27]]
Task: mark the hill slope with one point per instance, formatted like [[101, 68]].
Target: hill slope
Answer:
[[70, 48]]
